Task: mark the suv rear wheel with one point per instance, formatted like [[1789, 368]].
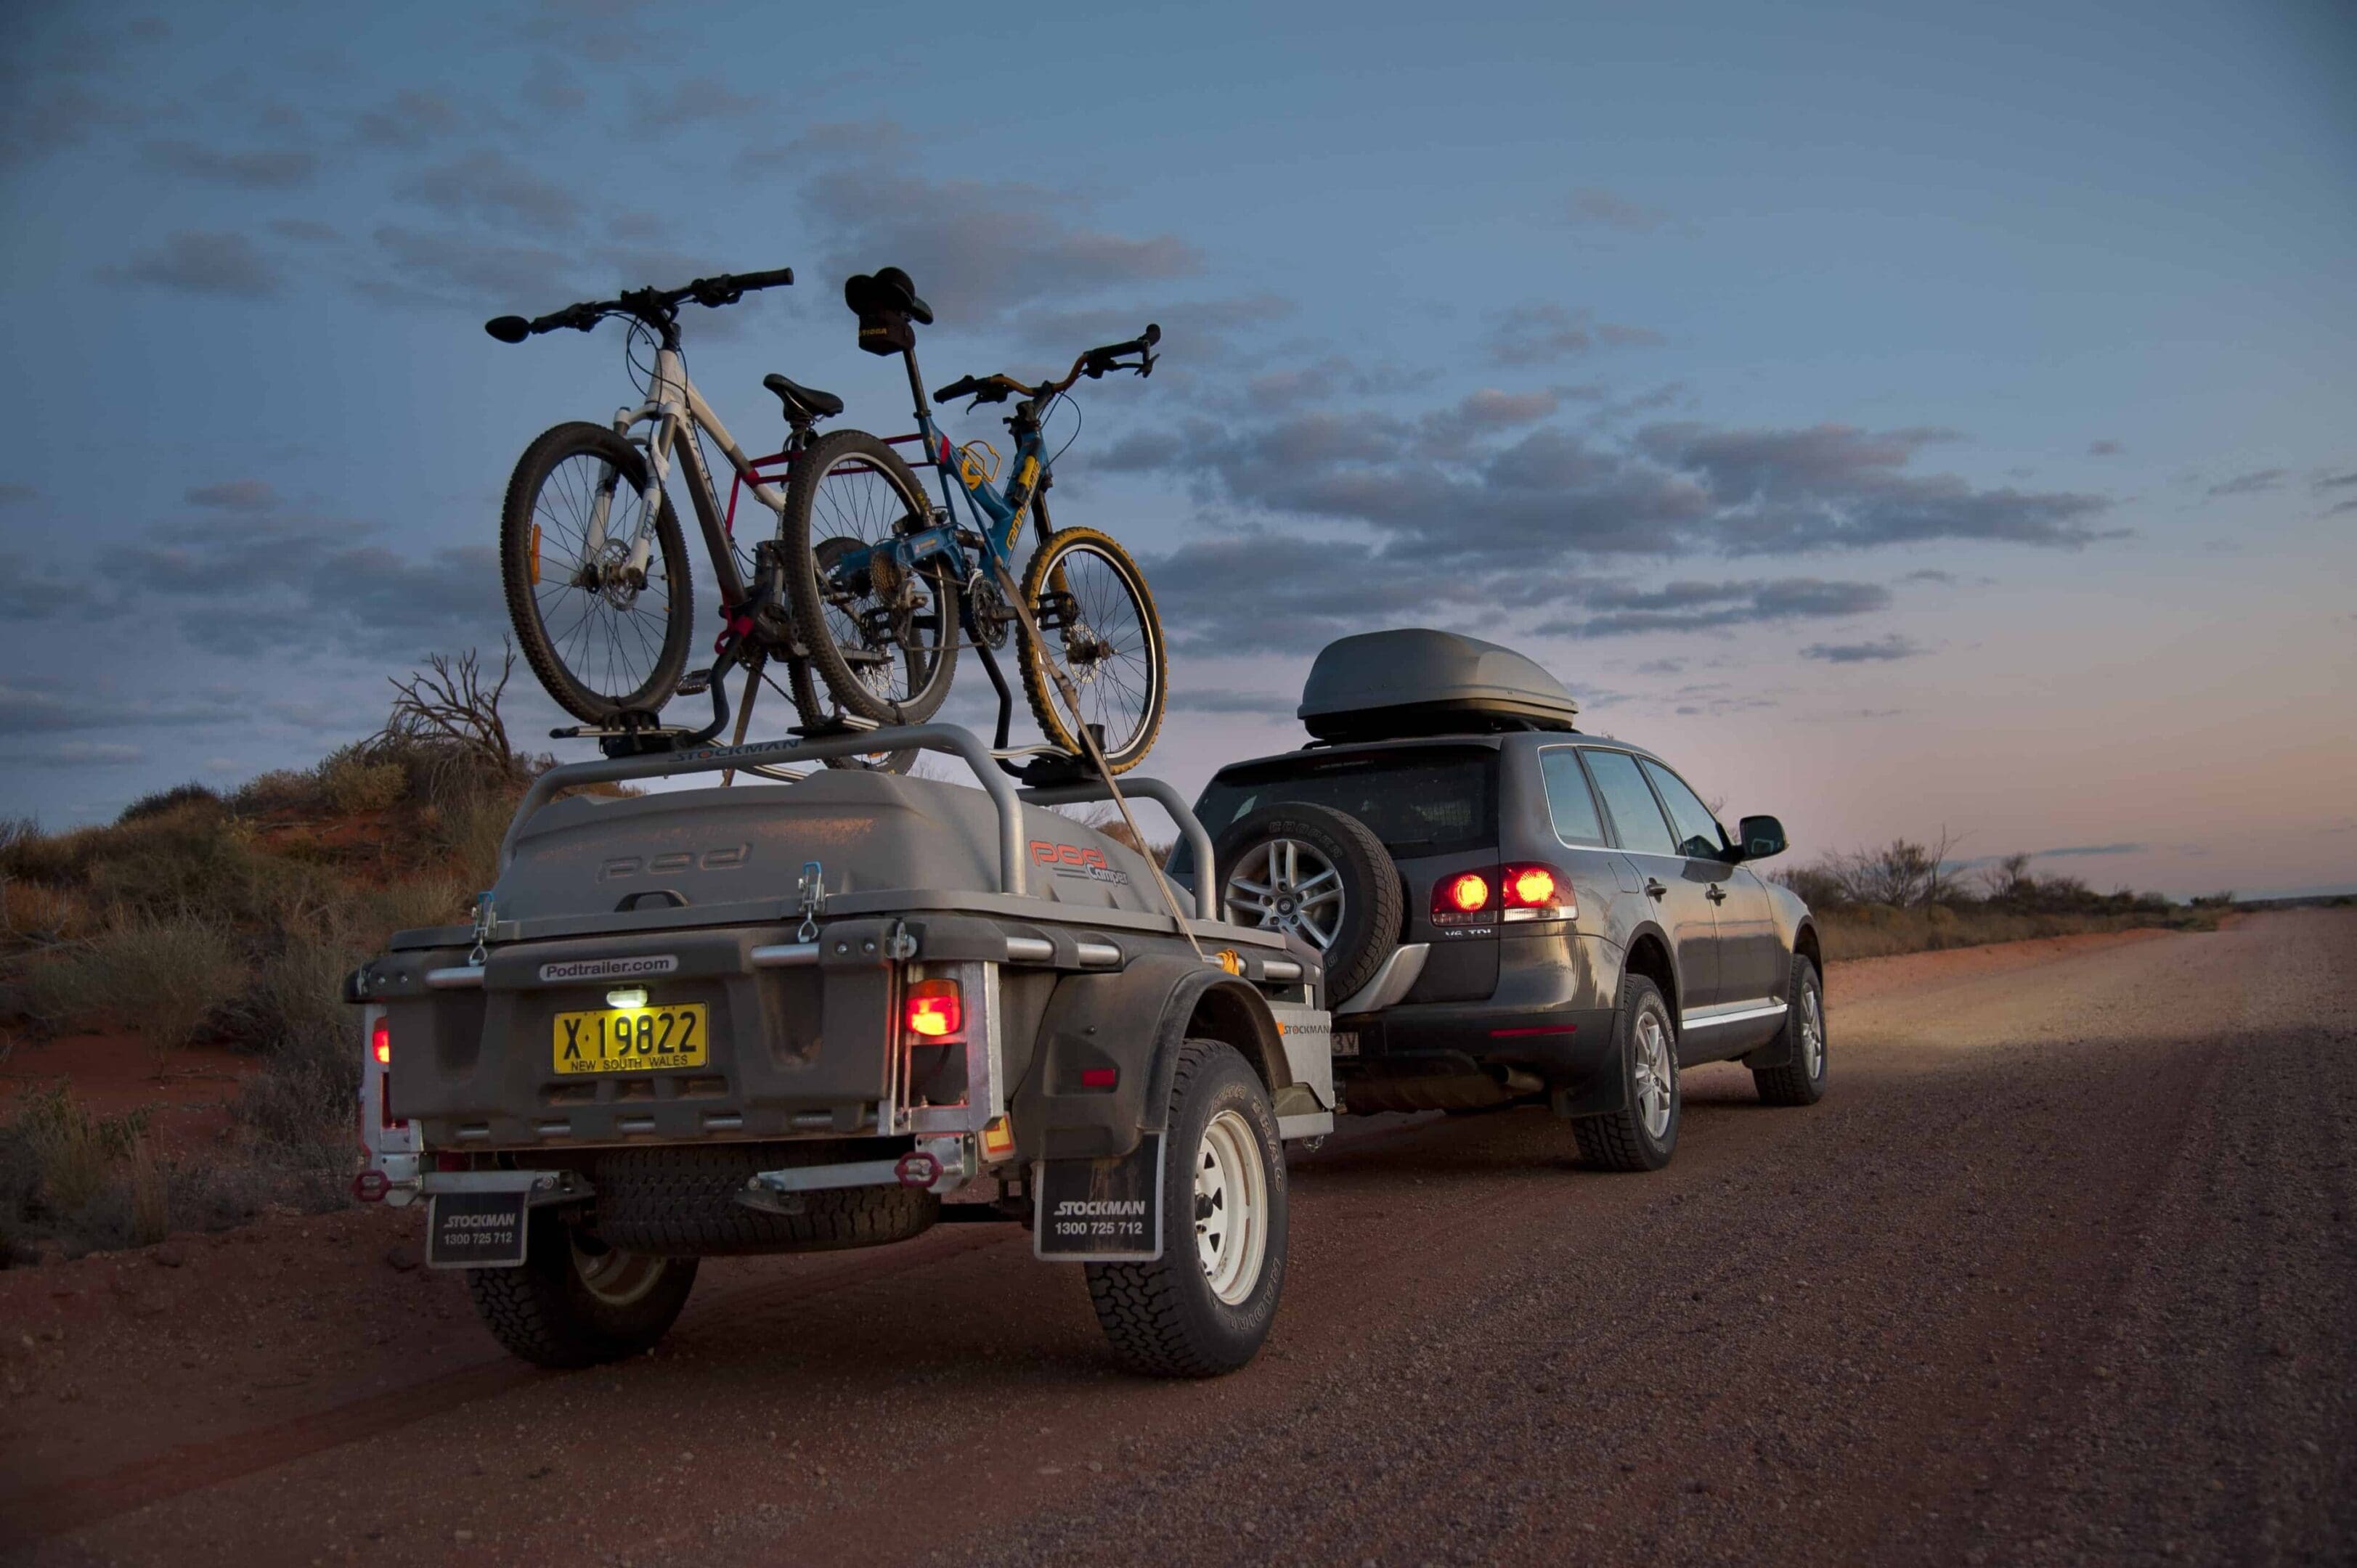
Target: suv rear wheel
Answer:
[[1317, 874], [1643, 1134]]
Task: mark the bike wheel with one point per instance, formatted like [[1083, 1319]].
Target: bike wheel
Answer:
[[1098, 626], [604, 636], [818, 707], [885, 644]]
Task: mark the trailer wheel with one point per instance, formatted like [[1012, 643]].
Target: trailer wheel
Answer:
[[1204, 1307], [575, 1302]]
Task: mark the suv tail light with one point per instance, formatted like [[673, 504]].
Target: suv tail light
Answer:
[[936, 1010], [1522, 890], [1535, 891], [1464, 898]]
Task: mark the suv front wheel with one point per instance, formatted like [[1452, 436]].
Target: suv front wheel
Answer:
[[1643, 1134]]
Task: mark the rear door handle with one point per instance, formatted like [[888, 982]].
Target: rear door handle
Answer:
[[1717, 894], [1655, 889]]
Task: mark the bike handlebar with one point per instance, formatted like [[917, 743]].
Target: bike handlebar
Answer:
[[1093, 363], [655, 306]]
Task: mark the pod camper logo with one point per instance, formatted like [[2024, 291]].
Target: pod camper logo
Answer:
[[611, 967], [1072, 860]]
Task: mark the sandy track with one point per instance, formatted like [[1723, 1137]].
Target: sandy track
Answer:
[[2064, 1269]]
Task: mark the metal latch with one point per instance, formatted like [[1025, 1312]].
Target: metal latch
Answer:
[[899, 946], [811, 890], [486, 917]]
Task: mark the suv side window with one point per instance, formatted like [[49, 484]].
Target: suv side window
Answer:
[[1568, 800], [1635, 814], [1699, 835]]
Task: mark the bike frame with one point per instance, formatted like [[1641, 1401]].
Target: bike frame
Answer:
[[997, 514], [672, 402]]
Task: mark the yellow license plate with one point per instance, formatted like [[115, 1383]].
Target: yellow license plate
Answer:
[[631, 1039]]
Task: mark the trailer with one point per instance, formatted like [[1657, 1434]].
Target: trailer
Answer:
[[833, 1008]]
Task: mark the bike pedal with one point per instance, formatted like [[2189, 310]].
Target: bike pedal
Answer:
[[694, 684]]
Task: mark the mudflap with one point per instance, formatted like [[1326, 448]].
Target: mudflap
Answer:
[[1100, 1211], [475, 1229]]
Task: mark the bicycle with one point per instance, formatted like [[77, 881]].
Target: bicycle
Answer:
[[603, 603], [878, 575]]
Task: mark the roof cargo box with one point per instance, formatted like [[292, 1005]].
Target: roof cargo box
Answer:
[[1414, 680]]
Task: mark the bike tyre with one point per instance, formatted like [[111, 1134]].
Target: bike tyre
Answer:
[[517, 514], [809, 602], [1122, 752], [811, 701]]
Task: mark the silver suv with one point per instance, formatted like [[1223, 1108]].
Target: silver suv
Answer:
[[1511, 909]]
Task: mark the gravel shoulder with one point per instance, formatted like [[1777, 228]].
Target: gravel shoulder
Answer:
[[2063, 1269]]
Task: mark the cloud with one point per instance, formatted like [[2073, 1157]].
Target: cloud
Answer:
[[196, 261], [443, 265], [980, 249], [1661, 667], [2346, 506], [1542, 501], [411, 119], [28, 707], [1929, 574], [1880, 650], [261, 584], [1194, 331], [15, 494], [264, 169], [1483, 412], [234, 494], [692, 100], [80, 753], [27, 593], [2336, 481], [1594, 207], [2104, 448], [491, 186], [304, 229], [1543, 334], [2085, 849], [1217, 700], [2250, 484], [1691, 605]]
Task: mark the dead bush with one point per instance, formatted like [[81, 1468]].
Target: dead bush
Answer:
[[282, 790], [178, 798]]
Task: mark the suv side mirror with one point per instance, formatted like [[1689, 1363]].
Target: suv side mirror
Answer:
[[1760, 837]]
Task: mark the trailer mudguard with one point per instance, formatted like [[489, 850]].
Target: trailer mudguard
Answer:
[[1129, 1026]]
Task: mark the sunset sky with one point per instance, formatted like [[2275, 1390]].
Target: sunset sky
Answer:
[[1902, 417]]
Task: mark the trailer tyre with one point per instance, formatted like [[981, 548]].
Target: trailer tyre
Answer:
[[575, 1302], [1204, 1307]]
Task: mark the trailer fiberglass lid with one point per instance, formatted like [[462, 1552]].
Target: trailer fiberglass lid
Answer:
[[1414, 681]]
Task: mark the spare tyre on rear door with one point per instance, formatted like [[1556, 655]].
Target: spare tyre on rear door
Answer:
[[1318, 874]]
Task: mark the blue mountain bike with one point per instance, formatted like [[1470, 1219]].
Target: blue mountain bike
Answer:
[[888, 589]]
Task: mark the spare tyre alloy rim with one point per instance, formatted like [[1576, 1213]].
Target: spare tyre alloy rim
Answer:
[[614, 1277], [1287, 884], [1813, 1033], [1654, 1075], [1231, 1207]]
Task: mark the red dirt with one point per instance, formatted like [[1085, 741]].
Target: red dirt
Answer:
[[187, 1105], [2061, 1271]]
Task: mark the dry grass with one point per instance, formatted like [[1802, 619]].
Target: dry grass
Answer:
[[1879, 930], [162, 980]]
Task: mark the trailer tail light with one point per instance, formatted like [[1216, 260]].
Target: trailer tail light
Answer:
[[1464, 899], [936, 1009], [380, 1043], [1100, 1078], [1536, 892]]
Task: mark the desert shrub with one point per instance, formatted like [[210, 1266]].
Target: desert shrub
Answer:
[[353, 782], [178, 798], [36, 915], [161, 979], [65, 1149], [469, 832], [441, 899], [280, 789], [206, 867]]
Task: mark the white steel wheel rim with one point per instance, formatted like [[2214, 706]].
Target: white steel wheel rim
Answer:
[[1813, 1033], [614, 1277], [1656, 1076], [1287, 884], [1231, 1207]]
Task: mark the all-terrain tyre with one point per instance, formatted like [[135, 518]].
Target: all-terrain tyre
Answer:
[[577, 1301], [1799, 1049], [681, 1202], [1205, 1305], [1643, 1134], [607, 652], [1335, 887]]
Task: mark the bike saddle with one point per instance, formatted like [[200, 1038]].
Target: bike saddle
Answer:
[[888, 289], [803, 403]]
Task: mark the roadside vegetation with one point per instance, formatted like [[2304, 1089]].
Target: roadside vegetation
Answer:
[[1909, 897], [228, 920]]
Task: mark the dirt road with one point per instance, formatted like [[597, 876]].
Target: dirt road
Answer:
[[2063, 1269]]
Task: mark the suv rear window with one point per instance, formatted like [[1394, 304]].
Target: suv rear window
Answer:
[[1418, 802]]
